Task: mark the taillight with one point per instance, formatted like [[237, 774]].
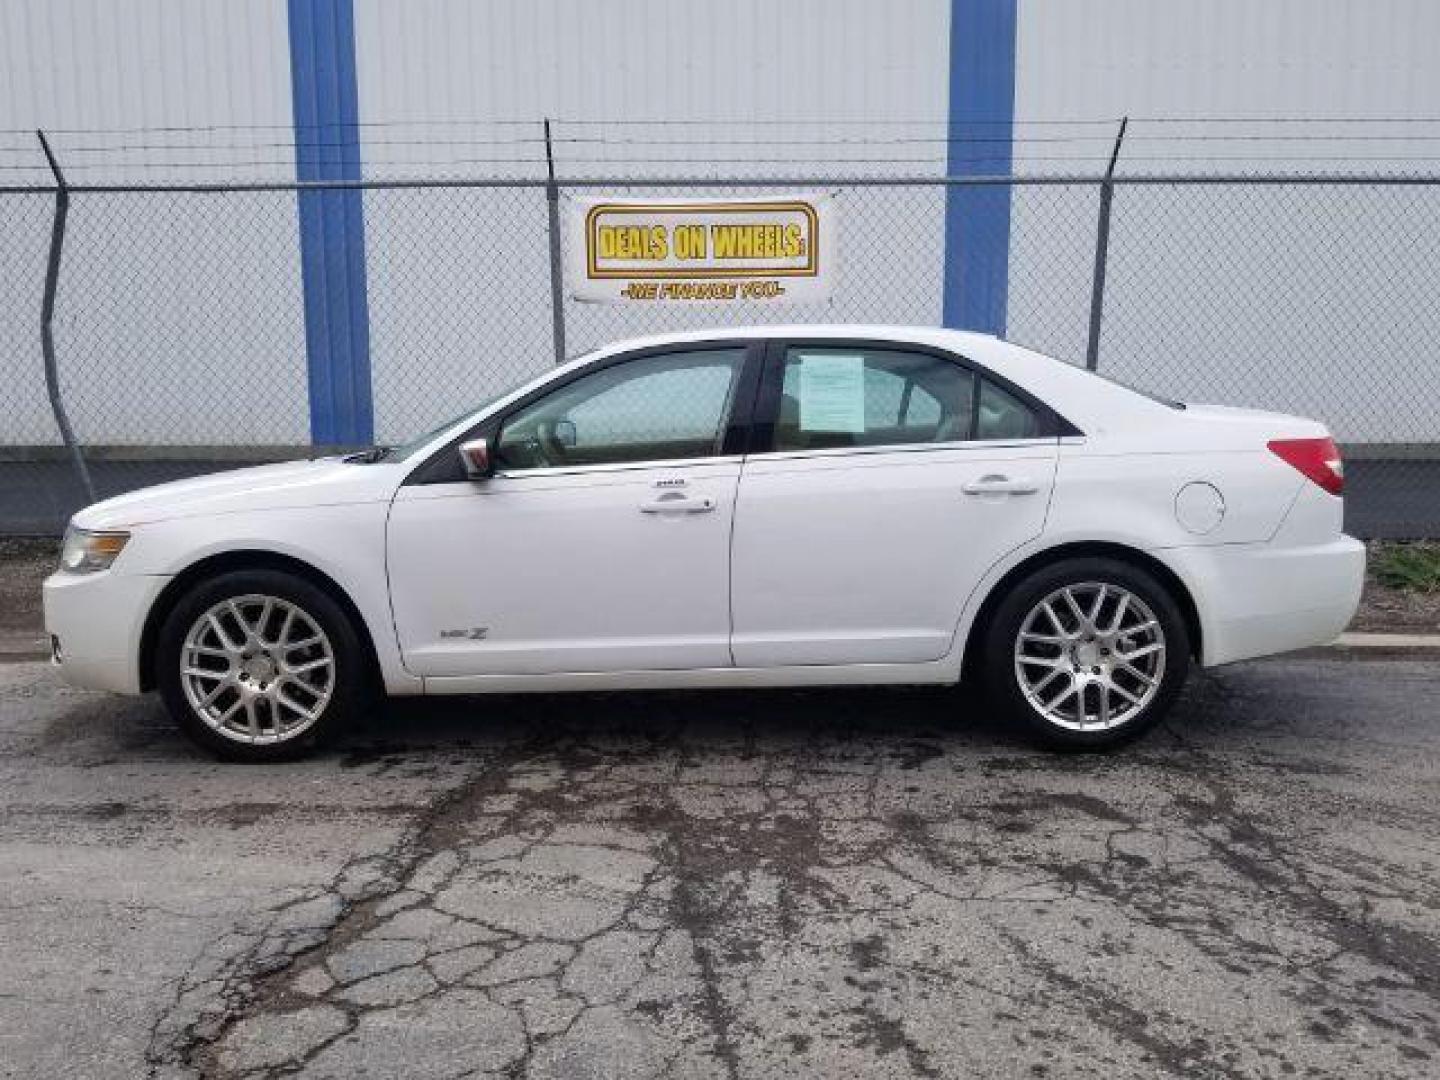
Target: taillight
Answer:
[[1317, 459]]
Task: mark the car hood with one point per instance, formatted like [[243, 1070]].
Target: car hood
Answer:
[[289, 485]]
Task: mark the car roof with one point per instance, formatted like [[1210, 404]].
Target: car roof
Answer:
[[1070, 390], [923, 335]]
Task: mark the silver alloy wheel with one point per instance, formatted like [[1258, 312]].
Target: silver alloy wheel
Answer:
[[257, 669], [1090, 656]]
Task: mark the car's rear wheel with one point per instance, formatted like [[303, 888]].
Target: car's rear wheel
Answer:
[[1087, 653], [259, 665]]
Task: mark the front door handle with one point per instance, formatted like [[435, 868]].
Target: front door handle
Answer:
[[995, 484], [676, 503]]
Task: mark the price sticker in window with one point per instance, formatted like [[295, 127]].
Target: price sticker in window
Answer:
[[832, 393]]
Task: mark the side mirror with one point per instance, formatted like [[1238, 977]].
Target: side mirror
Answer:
[[475, 457]]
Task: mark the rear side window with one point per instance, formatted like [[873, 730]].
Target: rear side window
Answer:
[[862, 397], [1004, 416]]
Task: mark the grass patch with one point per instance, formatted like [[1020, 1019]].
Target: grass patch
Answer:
[[1408, 567]]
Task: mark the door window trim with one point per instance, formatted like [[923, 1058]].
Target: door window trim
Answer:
[[443, 467], [903, 448], [1053, 426], [543, 471]]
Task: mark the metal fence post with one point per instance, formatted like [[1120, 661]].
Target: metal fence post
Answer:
[[557, 283], [47, 318], [1102, 253]]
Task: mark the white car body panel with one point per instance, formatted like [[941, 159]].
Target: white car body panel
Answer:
[[563, 570], [298, 485], [816, 578], [1096, 493], [100, 619], [1300, 588], [187, 521], [801, 596]]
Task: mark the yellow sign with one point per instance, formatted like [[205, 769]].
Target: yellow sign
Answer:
[[776, 249]]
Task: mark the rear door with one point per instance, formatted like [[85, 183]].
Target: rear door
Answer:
[[886, 480]]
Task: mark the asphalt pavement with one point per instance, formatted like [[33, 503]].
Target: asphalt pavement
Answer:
[[781, 884]]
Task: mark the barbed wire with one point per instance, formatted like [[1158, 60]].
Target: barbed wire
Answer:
[[567, 141], [420, 122], [585, 146], [712, 160]]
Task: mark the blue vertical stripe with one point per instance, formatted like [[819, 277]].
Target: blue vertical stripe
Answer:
[[332, 223], [982, 117]]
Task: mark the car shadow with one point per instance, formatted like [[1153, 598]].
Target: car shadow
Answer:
[[711, 716], [1215, 713], [109, 728]]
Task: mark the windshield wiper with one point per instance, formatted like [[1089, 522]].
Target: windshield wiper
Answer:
[[368, 457]]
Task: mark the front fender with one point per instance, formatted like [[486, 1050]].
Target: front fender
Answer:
[[345, 542]]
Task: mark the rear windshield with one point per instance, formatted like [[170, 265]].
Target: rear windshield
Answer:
[[1169, 403]]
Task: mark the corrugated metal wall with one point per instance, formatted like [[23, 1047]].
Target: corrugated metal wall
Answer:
[[745, 61], [173, 326], [142, 69], [643, 88], [1206, 281], [1226, 58], [201, 89]]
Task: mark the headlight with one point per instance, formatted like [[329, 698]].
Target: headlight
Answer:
[[85, 551]]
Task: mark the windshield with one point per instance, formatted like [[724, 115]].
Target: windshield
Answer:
[[415, 445], [1169, 403]]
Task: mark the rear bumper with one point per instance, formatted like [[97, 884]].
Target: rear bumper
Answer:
[[1259, 599], [98, 619]]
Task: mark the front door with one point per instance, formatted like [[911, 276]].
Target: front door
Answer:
[[893, 481], [602, 542]]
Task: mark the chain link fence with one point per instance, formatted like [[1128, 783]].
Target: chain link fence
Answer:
[[180, 332]]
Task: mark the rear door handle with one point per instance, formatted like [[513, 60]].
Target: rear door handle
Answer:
[[996, 484], [677, 504]]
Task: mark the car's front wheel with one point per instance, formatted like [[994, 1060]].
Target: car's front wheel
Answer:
[[259, 665], [1087, 653]]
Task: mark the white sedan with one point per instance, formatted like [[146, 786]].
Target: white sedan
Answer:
[[777, 506]]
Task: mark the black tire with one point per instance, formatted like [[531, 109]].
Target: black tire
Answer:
[[351, 679], [1003, 679]]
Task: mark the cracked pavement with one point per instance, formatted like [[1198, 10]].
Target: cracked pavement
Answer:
[[818, 884]]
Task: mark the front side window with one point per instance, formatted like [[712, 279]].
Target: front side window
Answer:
[[656, 408], [842, 397]]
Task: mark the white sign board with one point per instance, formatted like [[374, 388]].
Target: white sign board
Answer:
[[778, 249]]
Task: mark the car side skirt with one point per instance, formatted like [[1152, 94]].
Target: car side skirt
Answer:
[[935, 673]]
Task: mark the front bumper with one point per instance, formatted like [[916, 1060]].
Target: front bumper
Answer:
[[95, 622], [1259, 599]]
